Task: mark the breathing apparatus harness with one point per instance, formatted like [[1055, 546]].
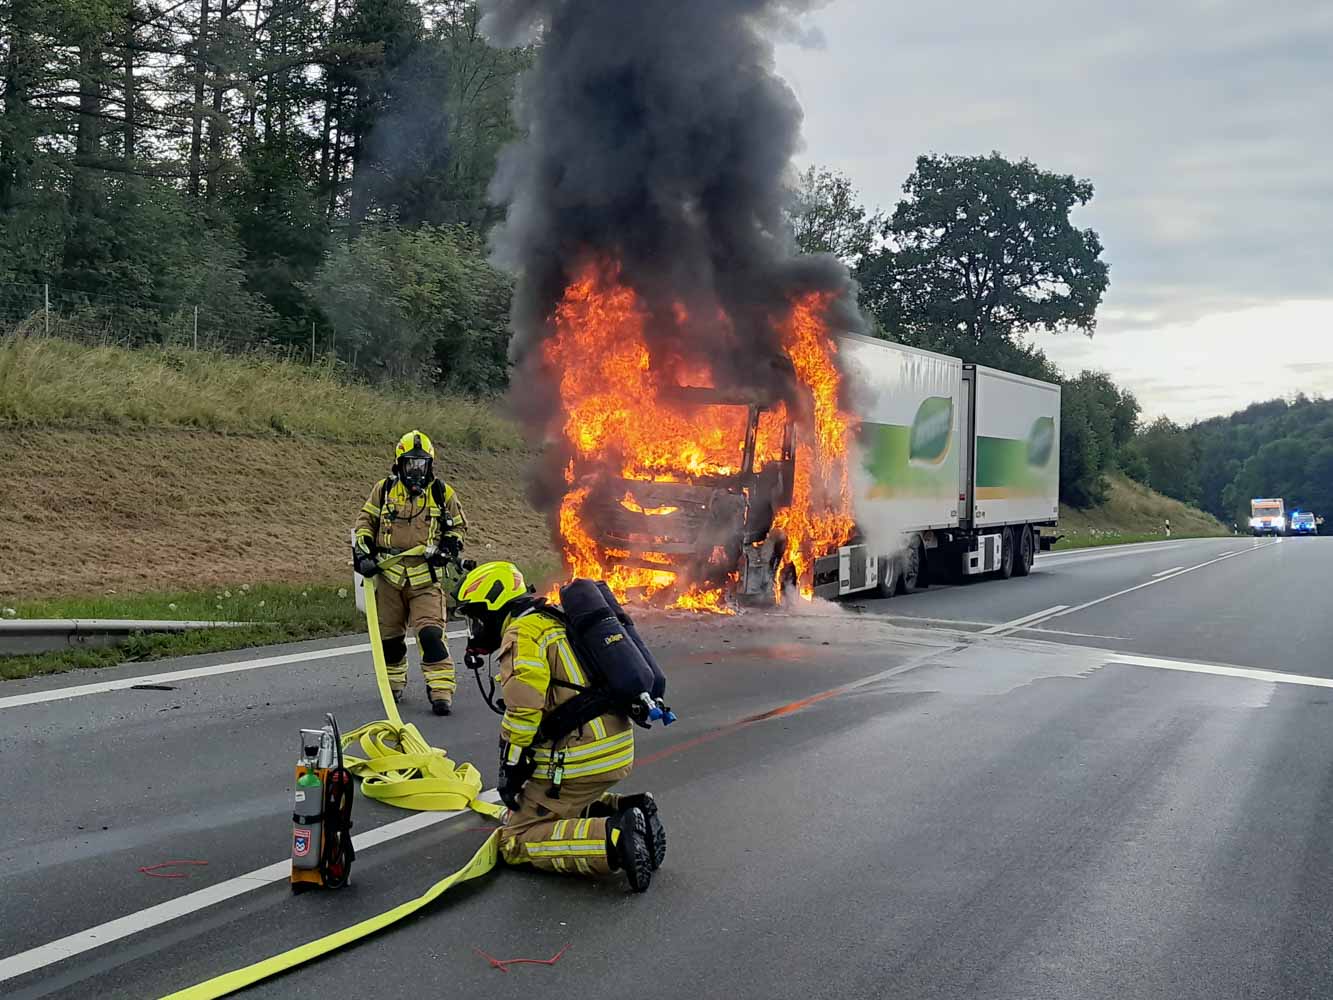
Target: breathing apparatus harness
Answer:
[[625, 675]]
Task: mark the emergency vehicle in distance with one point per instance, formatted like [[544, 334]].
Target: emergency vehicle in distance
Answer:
[[1268, 516], [1303, 523]]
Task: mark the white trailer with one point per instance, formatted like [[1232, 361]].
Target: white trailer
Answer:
[[957, 467]]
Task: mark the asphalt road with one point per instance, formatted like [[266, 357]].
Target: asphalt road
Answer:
[[1077, 805]]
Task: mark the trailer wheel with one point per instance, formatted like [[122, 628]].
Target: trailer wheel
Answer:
[[888, 577], [912, 570], [1026, 552], [1006, 554]]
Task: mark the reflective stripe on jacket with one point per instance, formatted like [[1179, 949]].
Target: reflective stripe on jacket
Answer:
[[533, 652], [401, 521]]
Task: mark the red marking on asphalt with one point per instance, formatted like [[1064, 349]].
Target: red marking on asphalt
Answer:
[[503, 964], [152, 870], [731, 727]]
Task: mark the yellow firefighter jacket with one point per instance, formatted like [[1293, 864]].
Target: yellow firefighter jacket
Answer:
[[534, 652], [393, 519]]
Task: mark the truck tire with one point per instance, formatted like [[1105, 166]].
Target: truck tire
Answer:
[[1026, 551], [888, 577], [1006, 569], [912, 570]]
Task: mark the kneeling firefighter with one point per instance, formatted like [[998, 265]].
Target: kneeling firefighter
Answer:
[[573, 680], [407, 509]]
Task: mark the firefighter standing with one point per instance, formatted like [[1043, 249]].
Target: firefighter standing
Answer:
[[562, 814], [411, 508]]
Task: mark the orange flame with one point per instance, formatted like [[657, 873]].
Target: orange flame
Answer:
[[819, 518], [622, 416]]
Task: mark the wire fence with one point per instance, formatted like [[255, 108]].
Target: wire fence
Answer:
[[133, 321]]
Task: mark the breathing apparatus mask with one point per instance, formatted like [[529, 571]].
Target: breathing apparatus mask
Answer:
[[484, 635], [414, 469]]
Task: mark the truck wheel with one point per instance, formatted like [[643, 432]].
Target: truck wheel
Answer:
[[912, 572], [1006, 554], [888, 577], [1026, 552]]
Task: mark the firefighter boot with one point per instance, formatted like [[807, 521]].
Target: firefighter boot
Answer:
[[612, 804], [441, 704], [627, 848]]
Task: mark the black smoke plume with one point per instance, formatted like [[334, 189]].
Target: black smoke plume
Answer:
[[657, 133]]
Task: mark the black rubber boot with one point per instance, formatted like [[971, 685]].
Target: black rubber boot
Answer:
[[627, 848], [646, 804], [442, 707]]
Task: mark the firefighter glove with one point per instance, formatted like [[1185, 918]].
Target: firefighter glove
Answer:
[[448, 551], [516, 766], [365, 564]]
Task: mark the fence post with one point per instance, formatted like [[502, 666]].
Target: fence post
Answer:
[[46, 306], [196, 328], [312, 341]]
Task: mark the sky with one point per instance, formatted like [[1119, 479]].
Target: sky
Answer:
[[1206, 127]]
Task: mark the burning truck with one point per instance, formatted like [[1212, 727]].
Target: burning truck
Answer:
[[678, 489], [674, 356]]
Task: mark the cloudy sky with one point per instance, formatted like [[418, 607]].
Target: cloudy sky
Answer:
[[1205, 125]]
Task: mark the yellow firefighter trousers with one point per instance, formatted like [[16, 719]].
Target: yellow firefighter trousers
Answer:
[[401, 608], [557, 835]]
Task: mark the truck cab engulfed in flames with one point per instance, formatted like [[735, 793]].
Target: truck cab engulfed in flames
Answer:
[[712, 528]]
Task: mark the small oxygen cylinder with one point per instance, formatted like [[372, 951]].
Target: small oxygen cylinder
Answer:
[[308, 804]]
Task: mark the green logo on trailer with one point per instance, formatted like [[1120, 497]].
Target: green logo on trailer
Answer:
[[1041, 442], [932, 430]]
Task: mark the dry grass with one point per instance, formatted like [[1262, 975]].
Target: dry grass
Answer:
[[46, 382], [149, 510], [1133, 512]]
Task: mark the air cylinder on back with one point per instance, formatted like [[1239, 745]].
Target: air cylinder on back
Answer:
[[658, 689], [615, 655]]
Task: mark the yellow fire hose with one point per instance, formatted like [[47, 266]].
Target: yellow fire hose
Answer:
[[401, 769]]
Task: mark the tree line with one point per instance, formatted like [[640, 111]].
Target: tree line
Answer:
[[1279, 448], [244, 158]]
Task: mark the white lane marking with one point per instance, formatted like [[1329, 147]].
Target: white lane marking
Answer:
[[1080, 635], [235, 666], [132, 923], [1167, 572], [1004, 626], [1221, 670], [1105, 552], [1149, 583]]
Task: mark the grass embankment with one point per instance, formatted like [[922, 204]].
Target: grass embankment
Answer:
[[1133, 513], [136, 479]]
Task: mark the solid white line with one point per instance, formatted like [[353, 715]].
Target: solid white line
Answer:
[[132, 923], [1003, 626], [1221, 670], [235, 666], [1167, 572]]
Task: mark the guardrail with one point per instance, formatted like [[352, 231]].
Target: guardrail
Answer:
[[41, 635]]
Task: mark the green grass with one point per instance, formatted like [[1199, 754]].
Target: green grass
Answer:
[[279, 613], [47, 382]]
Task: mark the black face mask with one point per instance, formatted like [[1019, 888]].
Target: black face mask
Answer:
[[484, 632], [415, 473]]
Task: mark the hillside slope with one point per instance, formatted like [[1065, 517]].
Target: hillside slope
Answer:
[[1132, 510], [153, 470]]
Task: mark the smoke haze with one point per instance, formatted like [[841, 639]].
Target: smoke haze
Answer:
[[658, 135]]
